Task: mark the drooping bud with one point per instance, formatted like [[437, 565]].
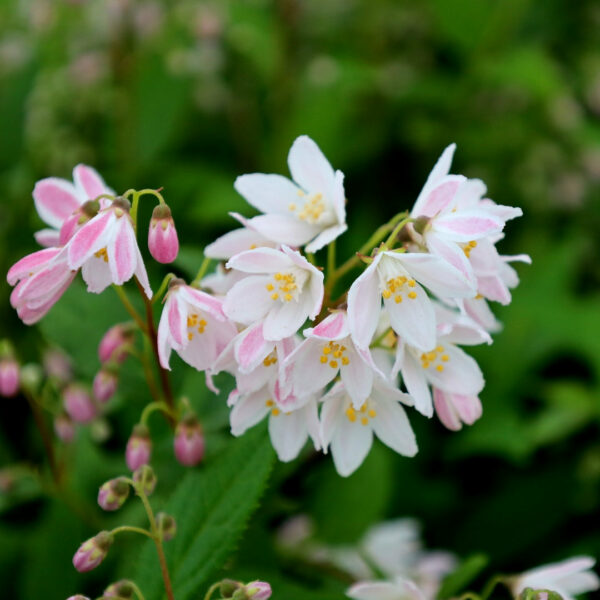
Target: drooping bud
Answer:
[[31, 377], [258, 590], [92, 552], [105, 385], [57, 365], [145, 478], [123, 590], [531, 594], [115, 342], [420, 224], [162, 235], [113, 493], [139, 448], [64, 428], [79, 404], [189, 441], [9, 377], [166, 526]]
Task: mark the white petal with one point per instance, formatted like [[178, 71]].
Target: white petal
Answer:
[[267, 193], [96, 273], [461, 373], [350, 445], [357, 377], [288, 434], [285, 229], [248, 300], [364, 306], [234, 242], [454, 256], [416, 384], [440, 169], [325, 237], [248, 411], [392, 427], [309, 374], [260, 260], [286, 318], [309, 167]]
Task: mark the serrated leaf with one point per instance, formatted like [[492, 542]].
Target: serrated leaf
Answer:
[[468, 570], [211, 507]]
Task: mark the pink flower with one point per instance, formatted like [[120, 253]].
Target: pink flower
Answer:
[[162, 235], [189, 442], [568, 578], [282, 288], [455, 409], [398, 589], [258, 590], [57, 200], [64, 428], [78, 404], [9, 377], [349, 431], [139, 448], [113, 494], [330, 350], [106, 250], [57, 365], [395, 278], [41, 279], [194, 325], [105, 385], [92, 552], [309, 209], [115, 343]]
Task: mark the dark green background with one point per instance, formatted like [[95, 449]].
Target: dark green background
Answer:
[[189, 94]]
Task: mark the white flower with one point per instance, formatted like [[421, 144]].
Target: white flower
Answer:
[[312, 207], [282, 288], [568, 578], [398, 589]]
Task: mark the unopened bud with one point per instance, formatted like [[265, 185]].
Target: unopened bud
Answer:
[[57, 365], [78, 597], [531, 594], [9, 377], [92, 552], [79, 404], [258, 590], [105, 385], [420, 224], [115, 342], [189, 442], [123, 590], [139, 448], [64, 428], [31, 377], [166, 526], [228, 587], [113, 493], [162, 235], [145, 478]]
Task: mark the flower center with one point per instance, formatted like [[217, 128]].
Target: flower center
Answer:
[[332, 353], [102, 254], [364, 413], [468, 247], [396, 285], [195, 325], [435, 358], [270, 359], [286, 286], [313, 210]]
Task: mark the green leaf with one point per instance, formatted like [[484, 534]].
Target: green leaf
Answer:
[[468, 570], [211, 507]]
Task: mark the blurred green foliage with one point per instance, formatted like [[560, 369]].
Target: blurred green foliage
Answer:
[[187, 95]]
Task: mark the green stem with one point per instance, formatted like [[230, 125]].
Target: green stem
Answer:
[[469, 596], [211, 590], [490, 585], [137, 591], [201, 272], [157, 542], [163, 287], [108, 196], [153, 407], [397, 230], [331, 257], [152, 192], [134, 208], [139, 530], [129, 307]]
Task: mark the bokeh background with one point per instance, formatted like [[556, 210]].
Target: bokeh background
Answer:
[[189, 94]]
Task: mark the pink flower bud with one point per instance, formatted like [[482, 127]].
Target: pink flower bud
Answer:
[[57, 365], [258, 590], [166, 526], [145, 478], [78, 597], [114, 344], [79, 404], [189, 442], [105, 385], [64, 428], [9, 377], [123, 590], [162, 235], [92, 552], [139, 448], [113, 493]]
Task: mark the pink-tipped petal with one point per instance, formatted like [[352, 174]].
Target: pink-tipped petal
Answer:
[[89, 182], [92, 237], [55, 199]]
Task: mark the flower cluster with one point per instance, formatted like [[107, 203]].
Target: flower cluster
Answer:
[[388, 340]]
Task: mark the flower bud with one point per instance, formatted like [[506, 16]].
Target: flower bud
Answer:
[[228, 587], [114, 344], [258, 590], [166, 526], [189, 442], [105, 385], [78, 597], [64, 428], [145, 478], [421, 223], [113, 493], [162, 235], [9, 377], [92, 552], [531, 594], [57, 366], [79, 404], [31, 377], [123, 590], [139, 448]]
